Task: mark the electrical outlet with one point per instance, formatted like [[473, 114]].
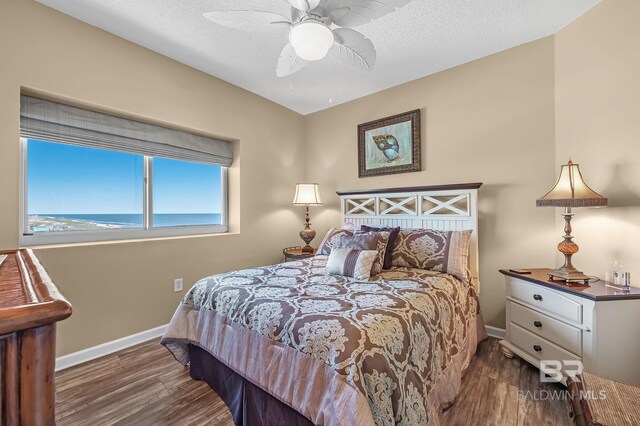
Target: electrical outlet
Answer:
[[177, 285]]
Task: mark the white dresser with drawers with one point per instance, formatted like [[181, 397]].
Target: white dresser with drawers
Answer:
[[598, 325]]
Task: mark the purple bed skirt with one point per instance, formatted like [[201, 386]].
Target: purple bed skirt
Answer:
[[249, 404]]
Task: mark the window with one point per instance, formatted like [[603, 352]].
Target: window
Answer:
[[91, 176], [75, 193], [186, 194], [72, 188]]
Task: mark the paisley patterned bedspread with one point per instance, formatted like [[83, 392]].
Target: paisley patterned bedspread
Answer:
[[387, 344]]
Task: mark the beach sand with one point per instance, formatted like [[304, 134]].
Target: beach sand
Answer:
[[57, 224]]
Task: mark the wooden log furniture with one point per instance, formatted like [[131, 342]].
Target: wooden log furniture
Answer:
[[30, 306], [596, 401]]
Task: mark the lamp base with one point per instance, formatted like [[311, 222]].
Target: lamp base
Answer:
[[307, 249], [568, 273], [307, 234], [569, 276]]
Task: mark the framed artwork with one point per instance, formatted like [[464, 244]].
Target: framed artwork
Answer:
[[389, 145]]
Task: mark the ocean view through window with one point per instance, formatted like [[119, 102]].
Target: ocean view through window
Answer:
[[77, 193], [182, 193], [73, 188]]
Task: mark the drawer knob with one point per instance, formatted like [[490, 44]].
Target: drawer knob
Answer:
[[537, 297], [537, 348], [537, 324]]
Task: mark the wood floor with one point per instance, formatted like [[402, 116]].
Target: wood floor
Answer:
[[144, 385]]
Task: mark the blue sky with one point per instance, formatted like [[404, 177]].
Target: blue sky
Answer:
[[77, 180]]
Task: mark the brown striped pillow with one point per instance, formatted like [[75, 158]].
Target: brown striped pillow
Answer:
[[351, 263], [442, 251], [356, 240], [367, 241]]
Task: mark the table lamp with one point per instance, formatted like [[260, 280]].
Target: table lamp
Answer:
[[307, 194], [570, 191]]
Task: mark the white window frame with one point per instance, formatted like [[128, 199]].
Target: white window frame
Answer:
[[147, 231]]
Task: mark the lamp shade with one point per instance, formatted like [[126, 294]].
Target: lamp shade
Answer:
[[311, 39], [307, 194], [571, 191]]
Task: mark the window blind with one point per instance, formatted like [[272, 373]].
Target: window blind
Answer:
[[51, 121]]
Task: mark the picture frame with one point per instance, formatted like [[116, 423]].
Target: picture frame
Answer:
[[390, 145]]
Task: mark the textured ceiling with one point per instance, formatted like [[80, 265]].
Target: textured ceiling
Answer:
[[421, 38]]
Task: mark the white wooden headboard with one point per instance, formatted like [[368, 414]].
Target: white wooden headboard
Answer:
[[442, 207]]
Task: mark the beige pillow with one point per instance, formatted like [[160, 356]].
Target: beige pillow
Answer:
[[442, 251], [351, 262]]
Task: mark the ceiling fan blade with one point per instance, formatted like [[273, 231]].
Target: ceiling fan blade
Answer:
[[351, 13], [320, 12], [304, 5], [296, 14], [289, 62], [353, 49], [249, 20]]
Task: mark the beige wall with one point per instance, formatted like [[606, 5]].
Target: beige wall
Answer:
[[123, 288], [491, 121], [510, 120], [507, 120], [598, 125]]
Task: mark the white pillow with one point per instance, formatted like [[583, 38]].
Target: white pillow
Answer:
[[351, 262]]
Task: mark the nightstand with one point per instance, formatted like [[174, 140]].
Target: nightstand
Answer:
[[597, 324], [295, 253]]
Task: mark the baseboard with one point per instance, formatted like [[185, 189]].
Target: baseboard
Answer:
[[107, 348], [498, 333]]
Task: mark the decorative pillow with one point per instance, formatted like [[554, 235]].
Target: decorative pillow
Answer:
[[393, 235], [367, 241], [442, 251], [330, 239], [350, 227], [351, 263]]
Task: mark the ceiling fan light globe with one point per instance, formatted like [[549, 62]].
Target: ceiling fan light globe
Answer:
[[311, 40]]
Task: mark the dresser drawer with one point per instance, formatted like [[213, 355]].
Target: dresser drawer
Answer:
[[563, 335], [545, 300], [538, 347]]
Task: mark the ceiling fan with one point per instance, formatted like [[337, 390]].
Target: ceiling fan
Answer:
[[311, 37]]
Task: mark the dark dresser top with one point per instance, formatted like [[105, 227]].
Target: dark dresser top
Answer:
[[599, 290], [28, 297]]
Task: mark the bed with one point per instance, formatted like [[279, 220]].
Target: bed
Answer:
[[288, 344]]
